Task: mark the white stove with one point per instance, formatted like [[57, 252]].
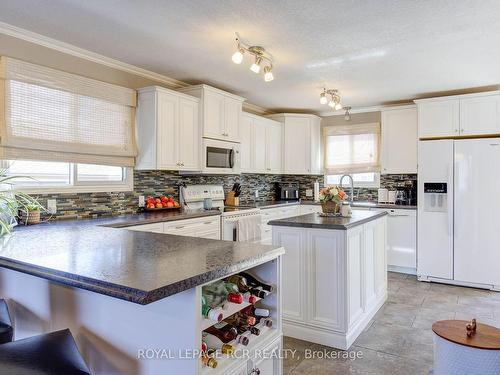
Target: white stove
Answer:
[[193, 197]]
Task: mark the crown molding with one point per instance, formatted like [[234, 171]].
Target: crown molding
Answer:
[[375, 108], [72, 50], [256, 110]]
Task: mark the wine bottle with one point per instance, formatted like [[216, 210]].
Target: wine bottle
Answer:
[[240, 281], [216, 294], [214, 343], [264, 322], [256, 311], [240, 319], [261, 293], [209, 361], [223, 331], [214, 314], [247, 328], [255, 282], [250, 298]]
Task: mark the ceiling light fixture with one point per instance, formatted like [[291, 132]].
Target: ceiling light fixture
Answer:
[[262, 58], [347, 115], [333, 101]]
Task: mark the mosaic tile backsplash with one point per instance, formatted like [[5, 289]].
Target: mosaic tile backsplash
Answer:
[[85, 205]]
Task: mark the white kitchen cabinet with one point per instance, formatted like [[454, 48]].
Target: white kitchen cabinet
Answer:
[[261, 144], [268, 214], [220, 112], [168, 134], [459, 116], [438, 118], [301, 143], [203, 227], [399, 141], [480, 115], [268, 364], [334, 281]]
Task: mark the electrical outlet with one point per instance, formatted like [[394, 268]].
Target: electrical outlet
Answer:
[[142, 201], [52, 206], [309, 193]]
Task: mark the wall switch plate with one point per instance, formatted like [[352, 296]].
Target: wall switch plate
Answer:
[[256, 194], [309, 193], [52, 206], [142, 201]]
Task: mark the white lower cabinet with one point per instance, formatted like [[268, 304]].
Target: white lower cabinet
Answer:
[[269, 214], [334, 281], [268, 362], [204, 227]]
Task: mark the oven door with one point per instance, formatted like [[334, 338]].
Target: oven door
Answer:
[[221, 157]]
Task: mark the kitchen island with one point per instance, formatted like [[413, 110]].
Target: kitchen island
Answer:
[[132, 299], [334, 274]]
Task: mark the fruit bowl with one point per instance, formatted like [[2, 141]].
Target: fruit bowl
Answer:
[[161, 203]]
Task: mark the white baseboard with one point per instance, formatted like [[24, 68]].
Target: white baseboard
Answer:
[[398, 269], [458, 283]]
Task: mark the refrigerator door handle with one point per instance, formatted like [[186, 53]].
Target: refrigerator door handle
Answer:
[[450, 198]]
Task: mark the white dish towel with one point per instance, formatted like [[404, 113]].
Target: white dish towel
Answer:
[[249, 228]]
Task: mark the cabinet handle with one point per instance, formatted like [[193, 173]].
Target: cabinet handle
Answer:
[[208, 222], [255, 371], [456, 130], [179, 227], [462, 130]]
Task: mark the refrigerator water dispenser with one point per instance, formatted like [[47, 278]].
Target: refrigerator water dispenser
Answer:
[[435, 196]]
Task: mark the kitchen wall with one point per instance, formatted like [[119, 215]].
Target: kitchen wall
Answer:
[[155, 183]]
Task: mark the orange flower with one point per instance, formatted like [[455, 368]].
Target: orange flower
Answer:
[[342, 195]]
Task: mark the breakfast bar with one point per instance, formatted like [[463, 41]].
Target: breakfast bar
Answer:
[[334, 274], [131, 299]]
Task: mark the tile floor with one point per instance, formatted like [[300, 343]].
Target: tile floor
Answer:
[[399, 338]]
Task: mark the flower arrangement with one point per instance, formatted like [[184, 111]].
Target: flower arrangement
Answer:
[[331, 198]]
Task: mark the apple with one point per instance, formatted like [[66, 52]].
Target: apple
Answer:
[[170, 204]]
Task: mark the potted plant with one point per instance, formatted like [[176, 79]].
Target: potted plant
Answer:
[[331, 198], [13, 202], [30, 214]]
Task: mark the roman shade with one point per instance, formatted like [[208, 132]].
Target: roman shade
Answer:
[[47, 114], [352, 148]]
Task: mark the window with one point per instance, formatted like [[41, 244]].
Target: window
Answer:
[[368, 180], [352, 149], [45, 176]]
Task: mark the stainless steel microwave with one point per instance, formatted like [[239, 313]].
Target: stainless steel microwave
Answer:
[[221, 157]]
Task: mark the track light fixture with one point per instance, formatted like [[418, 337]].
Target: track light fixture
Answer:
[[261, 58], [332, 98], [347, 115]]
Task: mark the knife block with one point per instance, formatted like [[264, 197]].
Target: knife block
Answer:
[[231, 200]]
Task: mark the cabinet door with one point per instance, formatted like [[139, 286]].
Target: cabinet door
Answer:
[[259, 146], [153, 228], [271, 363], [273, 147], [232, 119], [297, 142], [402, 239], [480, 115], [326, 260], [167, 132], [355, 266], [213, 115], [315, 148], [399, 141], [438, 119], [246, 143], [293, 279], [189, 136]]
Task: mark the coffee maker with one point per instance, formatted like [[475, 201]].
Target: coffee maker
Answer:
[[407, 194], [287, 192]]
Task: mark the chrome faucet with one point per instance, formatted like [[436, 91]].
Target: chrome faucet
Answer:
[[351, 196]]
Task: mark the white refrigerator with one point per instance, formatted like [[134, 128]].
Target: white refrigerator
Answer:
[[459, 211]]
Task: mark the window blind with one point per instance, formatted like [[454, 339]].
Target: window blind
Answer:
[[52, 115], [352, 148]]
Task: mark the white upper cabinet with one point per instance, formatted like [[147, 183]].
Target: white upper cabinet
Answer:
[[480, 115], [261, 140], [301, 143], [438, 118], [399, 141], [274, 140], [167, 126], [220, 112], [460, 115]]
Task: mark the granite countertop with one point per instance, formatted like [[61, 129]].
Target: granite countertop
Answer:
[[370, 204], [336, 222], [152, 217], [139, 267]]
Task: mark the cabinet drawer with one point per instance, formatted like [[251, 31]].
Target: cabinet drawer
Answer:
[[154, 228]]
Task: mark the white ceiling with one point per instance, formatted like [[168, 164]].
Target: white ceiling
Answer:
[[373, 51]]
